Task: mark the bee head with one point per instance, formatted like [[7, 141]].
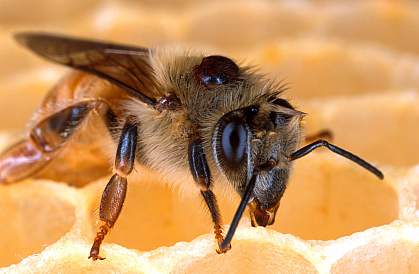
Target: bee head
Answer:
[[258, 139]]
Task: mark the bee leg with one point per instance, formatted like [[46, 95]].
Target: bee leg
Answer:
[[114, 194], [44, 142], [322, 134], [202, 176], [211, 202]]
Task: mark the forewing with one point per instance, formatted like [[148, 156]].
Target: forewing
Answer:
[[125, 66]]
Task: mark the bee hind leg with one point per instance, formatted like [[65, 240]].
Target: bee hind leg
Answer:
[[46, 139], [113, 196]]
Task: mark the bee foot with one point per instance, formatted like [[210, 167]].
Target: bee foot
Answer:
[[221, 250], [220, 239], [100, 235], [95, 257]]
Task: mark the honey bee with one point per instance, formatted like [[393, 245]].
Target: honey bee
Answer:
[[204, 118]]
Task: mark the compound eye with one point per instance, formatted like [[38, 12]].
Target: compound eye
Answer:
[[216, 70], [233, 143]]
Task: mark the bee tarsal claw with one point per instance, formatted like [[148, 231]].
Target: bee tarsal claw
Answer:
[[94, 255], [221, 250]]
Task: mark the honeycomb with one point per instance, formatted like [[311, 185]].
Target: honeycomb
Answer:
[[353, 66]]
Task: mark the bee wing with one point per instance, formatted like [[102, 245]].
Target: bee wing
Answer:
[[125, 66]]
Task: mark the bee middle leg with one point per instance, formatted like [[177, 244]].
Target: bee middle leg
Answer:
[[202, 176], [113, 196]]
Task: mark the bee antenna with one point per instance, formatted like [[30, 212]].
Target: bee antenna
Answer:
[[239, 213], [322, 143]]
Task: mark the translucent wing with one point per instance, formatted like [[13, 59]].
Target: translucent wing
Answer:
[[125, 66]]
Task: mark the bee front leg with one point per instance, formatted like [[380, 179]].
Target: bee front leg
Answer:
[[211, 202], [114, 194], [202, 176]]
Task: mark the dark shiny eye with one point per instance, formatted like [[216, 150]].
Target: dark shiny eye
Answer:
[[216, 70], [251, 111], [233, 142]]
